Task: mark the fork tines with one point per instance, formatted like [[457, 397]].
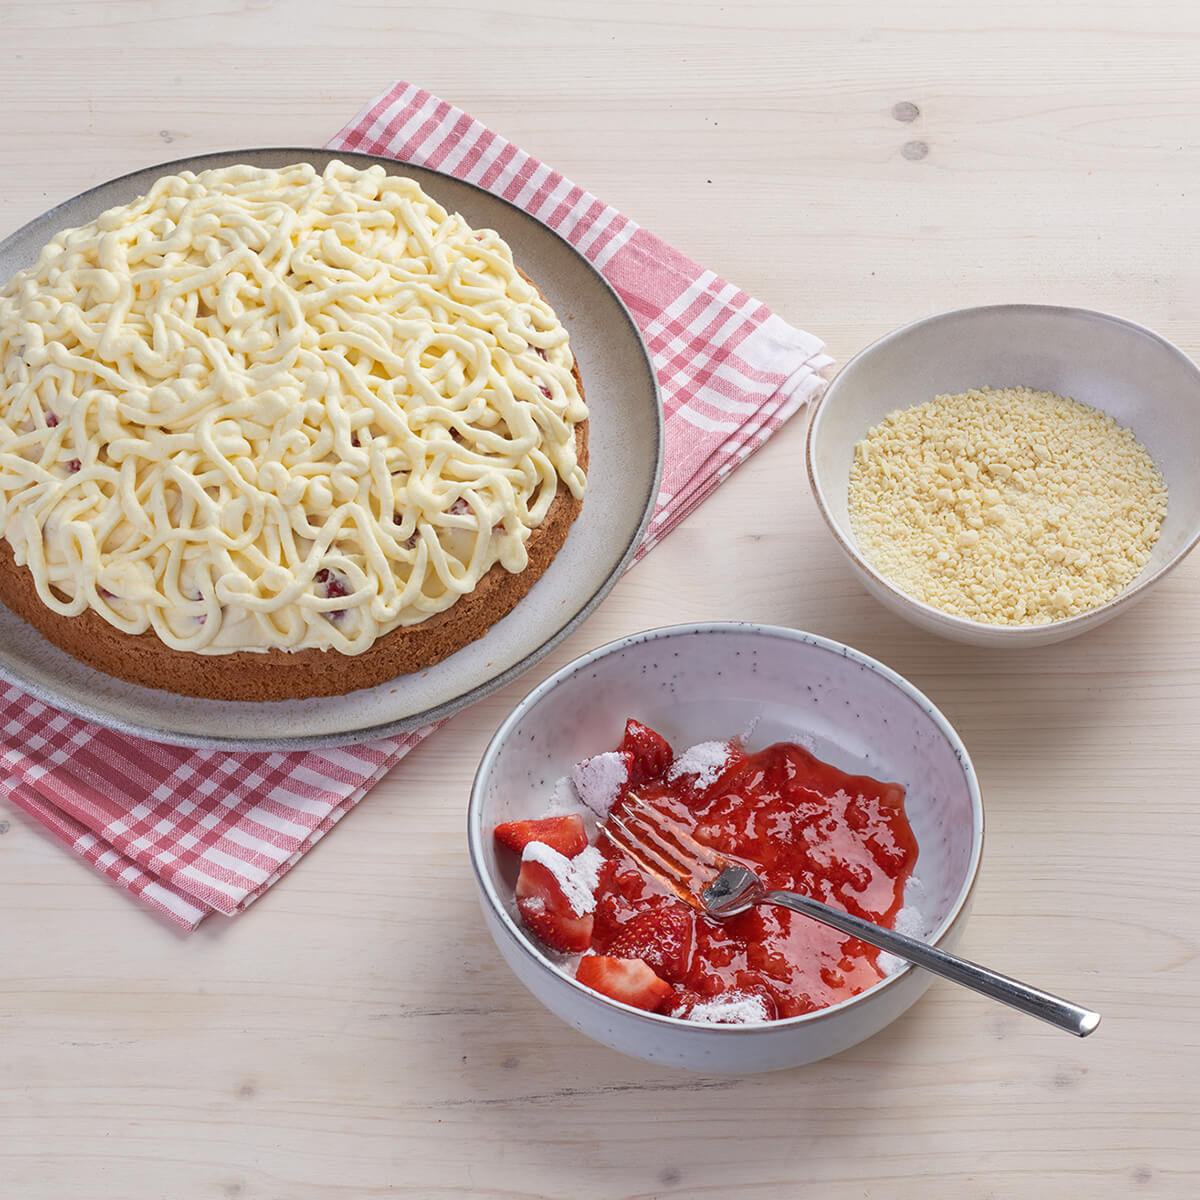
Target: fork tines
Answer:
[[663, 849]]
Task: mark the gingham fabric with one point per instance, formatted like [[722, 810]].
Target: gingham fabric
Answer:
[[192, 832], [731, 371]]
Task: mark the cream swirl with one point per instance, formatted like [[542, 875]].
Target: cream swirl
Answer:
[[261, 409]]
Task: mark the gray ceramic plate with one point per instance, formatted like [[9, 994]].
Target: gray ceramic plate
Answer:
[[625, 452]]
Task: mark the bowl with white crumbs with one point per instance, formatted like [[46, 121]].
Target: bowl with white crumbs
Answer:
[[818, 766], [1011, 475]]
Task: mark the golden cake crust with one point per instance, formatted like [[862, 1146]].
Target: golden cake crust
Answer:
[[288, 675]]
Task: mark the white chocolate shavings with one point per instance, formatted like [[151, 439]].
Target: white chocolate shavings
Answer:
[[705, 761], [576, 876], [1007, 506], [599, 780], [733, 1008]]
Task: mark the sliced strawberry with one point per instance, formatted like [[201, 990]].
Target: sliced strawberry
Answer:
[[626, 979], [564, 834], [547, 912], [660, 937], [651, 752]]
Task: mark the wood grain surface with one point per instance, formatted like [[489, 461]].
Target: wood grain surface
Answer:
[[355, 1034]]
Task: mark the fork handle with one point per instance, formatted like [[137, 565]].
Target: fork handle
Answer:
[[1055, 1010]]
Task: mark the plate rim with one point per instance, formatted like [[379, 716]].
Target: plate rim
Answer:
[[70, 704]]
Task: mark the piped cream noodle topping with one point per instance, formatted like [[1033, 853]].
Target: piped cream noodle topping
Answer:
[[275, 408]]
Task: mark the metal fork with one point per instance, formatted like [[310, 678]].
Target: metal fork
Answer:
[[720, 888]]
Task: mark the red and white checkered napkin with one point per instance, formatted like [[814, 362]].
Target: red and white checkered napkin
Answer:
[[192, 832]]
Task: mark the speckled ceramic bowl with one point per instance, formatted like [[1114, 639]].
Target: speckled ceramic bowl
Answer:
[[1137, 377], [696, 683]]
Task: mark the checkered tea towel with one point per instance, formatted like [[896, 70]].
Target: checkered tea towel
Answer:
[[191, 832]]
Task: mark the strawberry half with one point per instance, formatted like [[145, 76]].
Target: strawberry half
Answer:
[[628, 980], [660, 937], [564, 834], [650, 752], [547, 912]]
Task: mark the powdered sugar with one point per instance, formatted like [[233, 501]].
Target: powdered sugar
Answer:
[[565, 800], [576, 876], [909, 921], [733, 1008], [586, 866], [599, 780], [706, 761]]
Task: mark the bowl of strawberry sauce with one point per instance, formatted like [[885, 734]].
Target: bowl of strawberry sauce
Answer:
[[820, 768]]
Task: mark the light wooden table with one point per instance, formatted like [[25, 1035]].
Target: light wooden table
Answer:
[[856, 166]]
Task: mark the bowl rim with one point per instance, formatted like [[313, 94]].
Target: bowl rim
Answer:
[[663, 1022], [966, 625]]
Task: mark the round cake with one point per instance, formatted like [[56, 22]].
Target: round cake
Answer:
[[269, 434]]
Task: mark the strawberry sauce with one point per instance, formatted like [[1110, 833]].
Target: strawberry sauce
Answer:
[[802, 825]]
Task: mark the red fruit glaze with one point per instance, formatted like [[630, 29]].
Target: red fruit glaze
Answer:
[[565, 834], [803, 825], [628, 980], [661, 937]]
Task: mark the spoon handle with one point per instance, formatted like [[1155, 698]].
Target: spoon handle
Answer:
[[1055, 1010]]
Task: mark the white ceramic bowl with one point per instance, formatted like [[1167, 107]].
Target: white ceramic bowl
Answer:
[[1132, 374], [696, 683]]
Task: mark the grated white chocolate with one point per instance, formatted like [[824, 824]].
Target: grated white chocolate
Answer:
[[259, 409], [1006, 505]]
